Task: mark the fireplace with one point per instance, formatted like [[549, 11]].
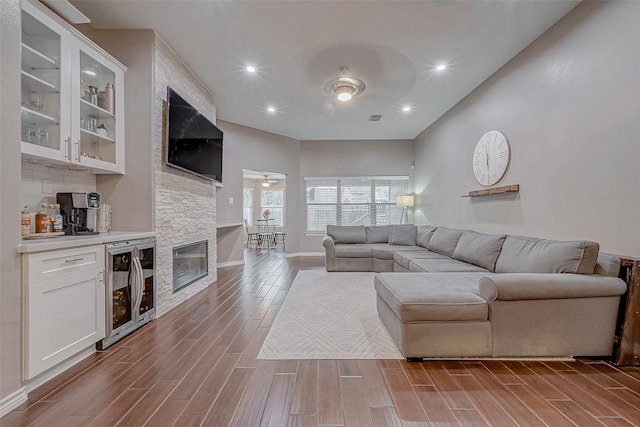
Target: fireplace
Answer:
[[190, 263]]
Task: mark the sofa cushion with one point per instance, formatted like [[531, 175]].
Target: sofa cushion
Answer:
[[607, 265], [435, 297], [530, 255], [386, 251], [404, 235], [444, 240], [424, 234], [347, 233], [353, 251], [479, 249], [442, 265], [404, 257], [377, 233]]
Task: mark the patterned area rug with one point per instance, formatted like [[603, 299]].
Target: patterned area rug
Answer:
[[329, 316]]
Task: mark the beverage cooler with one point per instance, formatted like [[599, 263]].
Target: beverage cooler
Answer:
[[130, 286]]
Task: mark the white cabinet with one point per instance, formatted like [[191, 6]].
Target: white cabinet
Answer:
[[72, 96], [63, 305]]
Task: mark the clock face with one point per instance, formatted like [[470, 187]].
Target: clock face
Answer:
[[491, 157]]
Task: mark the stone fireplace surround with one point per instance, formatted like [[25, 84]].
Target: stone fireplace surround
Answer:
[[185, 205]]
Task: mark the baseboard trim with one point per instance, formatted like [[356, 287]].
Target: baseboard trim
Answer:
[[230, 263], [301, 254], [12, 401], [38, 380]]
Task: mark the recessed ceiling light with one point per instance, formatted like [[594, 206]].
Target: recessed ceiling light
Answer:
[[251, 69], [407, 108], [271, 109], [441, 67]]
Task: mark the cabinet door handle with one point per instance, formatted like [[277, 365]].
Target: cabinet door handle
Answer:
[[67, 149], [74, 260], [78, 151]]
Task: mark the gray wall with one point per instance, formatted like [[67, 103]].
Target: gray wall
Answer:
[[247, 148], [350, 158], [569, 106], [10, 302], [134, 48]]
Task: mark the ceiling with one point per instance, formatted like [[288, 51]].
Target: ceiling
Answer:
[[299, 46]]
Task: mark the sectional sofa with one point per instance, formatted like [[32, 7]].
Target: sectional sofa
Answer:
[[451, 293]]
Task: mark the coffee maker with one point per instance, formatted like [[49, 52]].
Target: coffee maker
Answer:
[[79, 212]]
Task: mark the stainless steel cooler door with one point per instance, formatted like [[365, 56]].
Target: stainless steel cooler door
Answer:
[[146, 262], [121, 285]]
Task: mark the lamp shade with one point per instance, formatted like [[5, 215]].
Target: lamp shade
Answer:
[[404, 201]]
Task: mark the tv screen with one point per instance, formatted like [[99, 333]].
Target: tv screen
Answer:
[[194, 144]]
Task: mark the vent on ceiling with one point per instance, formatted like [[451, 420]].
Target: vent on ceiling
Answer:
[[375, 117]]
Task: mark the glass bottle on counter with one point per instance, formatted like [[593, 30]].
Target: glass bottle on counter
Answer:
[[43, 222], [25, 222], [56, 219]]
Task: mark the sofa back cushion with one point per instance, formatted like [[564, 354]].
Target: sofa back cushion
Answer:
[[377, 233], [424, 234], [530, 255], [402, 235], [479, 249], [444, 240], [607, 265], [347, 233]]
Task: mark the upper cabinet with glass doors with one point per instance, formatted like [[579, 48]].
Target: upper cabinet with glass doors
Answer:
[[72, 100]]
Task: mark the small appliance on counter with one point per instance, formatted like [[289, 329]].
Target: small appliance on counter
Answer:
[[79, 213]]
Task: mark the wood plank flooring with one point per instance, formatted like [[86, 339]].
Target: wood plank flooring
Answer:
[[196, 366]]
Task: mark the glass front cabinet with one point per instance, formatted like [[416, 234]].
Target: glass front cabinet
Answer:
[[72, 101]]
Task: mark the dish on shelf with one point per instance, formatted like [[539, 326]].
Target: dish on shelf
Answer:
[[43, 235]]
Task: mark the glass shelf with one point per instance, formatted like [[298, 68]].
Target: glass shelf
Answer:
[[87, 108], [37, 84], [96, 135], [31, 58], [37, 118]]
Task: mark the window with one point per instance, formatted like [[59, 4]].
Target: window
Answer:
[[247, 205], [353, 201], [274, 201]]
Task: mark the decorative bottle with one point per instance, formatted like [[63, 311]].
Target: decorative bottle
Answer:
[[25, 222], [109, 98], [57, 218]]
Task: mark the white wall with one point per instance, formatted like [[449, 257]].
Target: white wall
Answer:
[[350, 158], [569, 105], [10, 288]]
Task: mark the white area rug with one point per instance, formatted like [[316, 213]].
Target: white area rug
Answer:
[[329, 316]]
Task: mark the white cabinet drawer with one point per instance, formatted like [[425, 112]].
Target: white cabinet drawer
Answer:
[[53, 264]]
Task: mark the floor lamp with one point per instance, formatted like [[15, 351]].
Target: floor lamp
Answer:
[[405, 202]]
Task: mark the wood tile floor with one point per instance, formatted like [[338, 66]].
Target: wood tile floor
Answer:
[[196, 366]]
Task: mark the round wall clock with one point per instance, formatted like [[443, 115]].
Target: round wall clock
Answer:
[[490, 158]]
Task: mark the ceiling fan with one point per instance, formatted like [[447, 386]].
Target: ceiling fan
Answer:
[[268, 182]]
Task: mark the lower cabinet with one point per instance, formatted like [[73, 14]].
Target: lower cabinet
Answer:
[[63, 305]]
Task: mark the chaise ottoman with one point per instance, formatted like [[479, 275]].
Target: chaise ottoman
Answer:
[[441, 314]]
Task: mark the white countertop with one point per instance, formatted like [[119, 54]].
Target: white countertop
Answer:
[[65, 242]]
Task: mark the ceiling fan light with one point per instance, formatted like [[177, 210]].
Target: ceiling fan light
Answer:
[[344, 96], [345, 88]]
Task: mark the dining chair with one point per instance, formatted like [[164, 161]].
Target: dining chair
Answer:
[[279, 233], [252, 234]]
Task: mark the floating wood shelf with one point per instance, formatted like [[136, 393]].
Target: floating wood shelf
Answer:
[[496, 190]]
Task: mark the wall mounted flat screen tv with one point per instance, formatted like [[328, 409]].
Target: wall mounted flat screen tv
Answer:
[[193, 143]]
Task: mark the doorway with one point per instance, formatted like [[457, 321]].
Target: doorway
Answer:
[[264, 204]]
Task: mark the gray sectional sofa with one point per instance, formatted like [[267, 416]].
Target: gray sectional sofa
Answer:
[[450, 293]]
